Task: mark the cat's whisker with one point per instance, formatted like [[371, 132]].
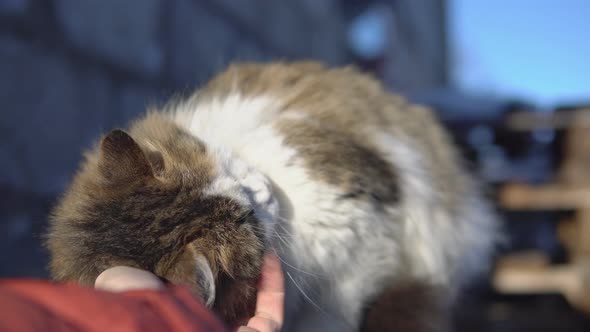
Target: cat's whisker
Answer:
[[276, 233], [265, 230], [285, 229], [281, 238], [304, 294], [296, 268], [283, 219]]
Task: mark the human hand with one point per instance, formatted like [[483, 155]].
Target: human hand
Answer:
[[269, 300], [125, 278]]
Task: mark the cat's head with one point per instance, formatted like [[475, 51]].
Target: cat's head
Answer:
[[165, 203]]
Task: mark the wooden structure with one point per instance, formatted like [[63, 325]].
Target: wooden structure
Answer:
[[570, 190]]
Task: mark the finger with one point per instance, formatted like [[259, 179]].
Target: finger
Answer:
[[271, 276], [261, 324], [124, 278], [270, 298], [269, 306], [271, 289], [246, 329]]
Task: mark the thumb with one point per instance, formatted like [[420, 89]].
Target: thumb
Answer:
[[124, 278]]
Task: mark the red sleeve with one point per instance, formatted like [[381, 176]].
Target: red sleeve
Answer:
[[30, 305]]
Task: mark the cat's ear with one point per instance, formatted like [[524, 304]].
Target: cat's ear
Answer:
[[205, 280], [121, 159]]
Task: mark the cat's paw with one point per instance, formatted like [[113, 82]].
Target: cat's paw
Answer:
[[258, 187], [247, 185], [260, 193]]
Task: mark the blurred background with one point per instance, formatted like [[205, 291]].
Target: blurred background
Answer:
[[510, 79]]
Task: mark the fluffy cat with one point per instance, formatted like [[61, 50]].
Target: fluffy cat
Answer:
[[361, 194]]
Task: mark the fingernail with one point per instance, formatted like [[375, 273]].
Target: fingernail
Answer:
[[246, 329]]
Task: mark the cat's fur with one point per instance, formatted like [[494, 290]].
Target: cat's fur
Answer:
[[361, 194]]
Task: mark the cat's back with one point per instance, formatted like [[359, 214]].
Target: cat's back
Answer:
[[342, 100], [337, 115], [313, 129]]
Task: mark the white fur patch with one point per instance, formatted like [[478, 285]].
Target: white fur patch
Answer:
[[444, 245], [237, 132], [422, 215]]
